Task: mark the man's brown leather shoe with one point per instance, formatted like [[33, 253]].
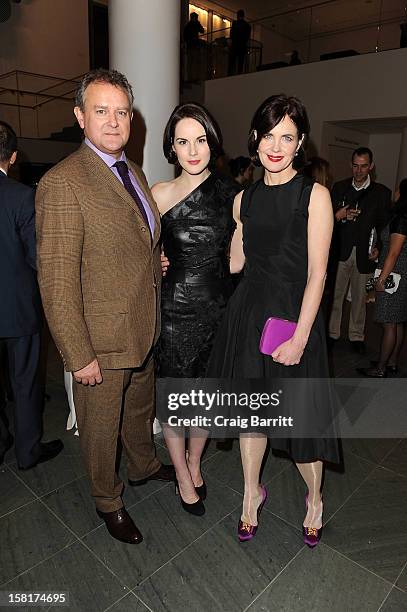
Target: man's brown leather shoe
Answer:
[[165, 473], [120, 525]]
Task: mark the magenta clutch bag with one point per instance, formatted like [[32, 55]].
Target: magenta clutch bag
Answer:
[[275, 332]]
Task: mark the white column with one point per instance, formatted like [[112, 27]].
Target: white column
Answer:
[[144, 44], [402, 167]]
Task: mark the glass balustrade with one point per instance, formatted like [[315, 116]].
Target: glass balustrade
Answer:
[[321, 31]]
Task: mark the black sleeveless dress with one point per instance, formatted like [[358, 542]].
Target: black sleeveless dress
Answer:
[[196, 235], [275, 230]]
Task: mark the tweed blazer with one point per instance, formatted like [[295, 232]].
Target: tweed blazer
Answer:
[[99, 270]]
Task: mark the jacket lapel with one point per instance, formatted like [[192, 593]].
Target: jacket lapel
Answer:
[[104, 174]]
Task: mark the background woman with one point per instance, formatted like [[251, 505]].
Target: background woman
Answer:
[[317, 168], [241, 168], [391, 308], [197, 226], [285, 223]]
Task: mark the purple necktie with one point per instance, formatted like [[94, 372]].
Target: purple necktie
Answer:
[[123, 171]]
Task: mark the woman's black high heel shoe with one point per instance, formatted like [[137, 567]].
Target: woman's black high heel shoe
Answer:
[[372, 372], [197, 508], [202, 491], [390, 369]]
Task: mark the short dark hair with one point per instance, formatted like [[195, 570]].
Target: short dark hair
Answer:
[[269, 114], [240, 14], [239, 165], [363, 151], [101, 75], [8, 141], [192, 110]]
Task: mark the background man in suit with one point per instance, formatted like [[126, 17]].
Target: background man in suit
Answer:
[[99, 274], [239, 36], [20, 314], [361, 207]]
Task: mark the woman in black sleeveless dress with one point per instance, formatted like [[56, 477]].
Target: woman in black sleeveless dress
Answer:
[[197, 227], [284, 228]]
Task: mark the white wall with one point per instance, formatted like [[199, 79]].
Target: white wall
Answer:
[[402, 165], [363, 41], [386, 150], [277, 44], [337, 146], [278, 48], [361, 87], [47, 37]]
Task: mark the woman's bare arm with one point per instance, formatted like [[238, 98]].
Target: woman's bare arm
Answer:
[[320, 226], [237, 257]]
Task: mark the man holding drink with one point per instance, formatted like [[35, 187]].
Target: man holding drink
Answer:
[[361, 206]]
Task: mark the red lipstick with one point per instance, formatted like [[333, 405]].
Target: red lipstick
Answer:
[[275, 158]]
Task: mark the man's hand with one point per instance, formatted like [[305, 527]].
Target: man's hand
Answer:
[[89, 375], [341, 213], [352, 214], [164, 263], [374, 254]]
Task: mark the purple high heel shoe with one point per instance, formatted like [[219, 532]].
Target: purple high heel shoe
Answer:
[[312, 535], [245, 531]]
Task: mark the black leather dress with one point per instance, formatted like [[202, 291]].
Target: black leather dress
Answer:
[[196, 235]]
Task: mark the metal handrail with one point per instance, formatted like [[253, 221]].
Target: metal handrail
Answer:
[[279, 14], [295, 10], [43, 94], [75, 80], [33, 93], [60, 80], [37, 74], [310, 7]]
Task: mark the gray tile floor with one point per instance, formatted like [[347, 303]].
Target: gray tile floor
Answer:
[[51, 539]]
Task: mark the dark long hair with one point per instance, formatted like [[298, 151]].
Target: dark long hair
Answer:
[[192, 110], [269, 114]]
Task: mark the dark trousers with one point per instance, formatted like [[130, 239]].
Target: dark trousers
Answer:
[[237, 54], [23, 363]]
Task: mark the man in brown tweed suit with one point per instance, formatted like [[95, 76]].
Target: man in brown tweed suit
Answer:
[[99, 274]]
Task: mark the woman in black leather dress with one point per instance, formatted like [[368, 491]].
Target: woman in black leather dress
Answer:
[[197, 226]]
